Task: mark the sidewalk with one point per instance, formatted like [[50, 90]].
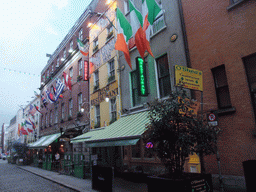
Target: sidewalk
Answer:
[[85, 185]]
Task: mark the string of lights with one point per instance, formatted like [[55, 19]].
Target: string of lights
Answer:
[[21, 72]]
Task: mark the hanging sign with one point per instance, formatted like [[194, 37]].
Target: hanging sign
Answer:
[[142, 81], [86, 70], [188, 78]]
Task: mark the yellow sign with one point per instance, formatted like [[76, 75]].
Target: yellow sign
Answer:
[[188, 78], [190, 109]]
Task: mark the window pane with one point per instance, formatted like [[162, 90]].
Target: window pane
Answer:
[[220, 77], [165, 88], [136, 150], [224, 98], [163, 76]]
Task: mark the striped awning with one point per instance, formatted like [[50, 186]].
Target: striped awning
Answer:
[[44, 141], [125, 131]]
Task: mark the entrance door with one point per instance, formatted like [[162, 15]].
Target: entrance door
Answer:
[[250, 67]]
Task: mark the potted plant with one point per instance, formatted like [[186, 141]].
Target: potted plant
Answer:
[[176, 133], [96, 87]]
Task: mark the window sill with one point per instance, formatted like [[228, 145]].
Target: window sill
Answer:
[[227, 111], [109, 38], [155, 34], [112, 81], [230, 7]]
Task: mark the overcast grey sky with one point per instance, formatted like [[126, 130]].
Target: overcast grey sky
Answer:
[[28, 30]]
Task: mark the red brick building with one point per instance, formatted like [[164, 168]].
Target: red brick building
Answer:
[[221, 39], [65, 116]]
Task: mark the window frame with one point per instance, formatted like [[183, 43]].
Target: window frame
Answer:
[[97, 114], [80, 101], [58, 61], [81, 34], [113, 111], [161, 78], [70, 107], [64, 53], [71, 46], [80, 67], [63, 111], [218, 88], [56, 115], [71, 72]]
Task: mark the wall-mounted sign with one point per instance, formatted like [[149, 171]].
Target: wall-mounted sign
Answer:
[[97, 98], [191, 107], [86, 70], [149, 145], [188, 78], [141, 69], [212, 119]]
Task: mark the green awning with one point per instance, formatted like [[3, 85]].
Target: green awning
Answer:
[[44, 141], [87, 135], [125, 131]]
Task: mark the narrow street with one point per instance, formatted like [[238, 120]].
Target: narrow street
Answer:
[[13, 179]]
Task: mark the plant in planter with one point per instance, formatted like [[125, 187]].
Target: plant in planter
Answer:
[[176, 133], [110, 35], [69, 117]]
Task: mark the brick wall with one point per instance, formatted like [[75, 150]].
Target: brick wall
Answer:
[[219, 36]]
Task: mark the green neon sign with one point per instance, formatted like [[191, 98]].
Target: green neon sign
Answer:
[[142, 77]]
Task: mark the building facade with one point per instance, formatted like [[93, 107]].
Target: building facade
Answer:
[[221, 39], [69, 115]]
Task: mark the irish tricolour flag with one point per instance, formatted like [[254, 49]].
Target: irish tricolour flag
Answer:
[[82, 47], [124, 34], [150, 11], [141, 41]]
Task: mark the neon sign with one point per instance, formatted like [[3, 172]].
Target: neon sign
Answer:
[[149, 145], [142, 77], [86, 71]]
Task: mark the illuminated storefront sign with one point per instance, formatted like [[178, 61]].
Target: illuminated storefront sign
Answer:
[[143, 91], [86, 70]]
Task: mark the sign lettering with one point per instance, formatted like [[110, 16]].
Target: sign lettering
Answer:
[[86, 70]]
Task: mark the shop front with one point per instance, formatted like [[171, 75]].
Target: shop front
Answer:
[[47, 152]]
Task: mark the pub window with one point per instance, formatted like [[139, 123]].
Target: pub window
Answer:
[[221, 87], [70, 107], [71, 46], [81, 34], [80, 67], [51, 119], [97, 116], [95, 45], [64, 53], [62, 111], [250, 68], [96, 80], [56, 115], [58, 62], [46, 119], [80, 101], [113, 109], [110, 31], [136, 99], [71, 72], [164, 82], [111, 70]]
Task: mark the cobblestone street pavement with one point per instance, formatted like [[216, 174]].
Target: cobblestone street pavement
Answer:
[[13, 179]]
